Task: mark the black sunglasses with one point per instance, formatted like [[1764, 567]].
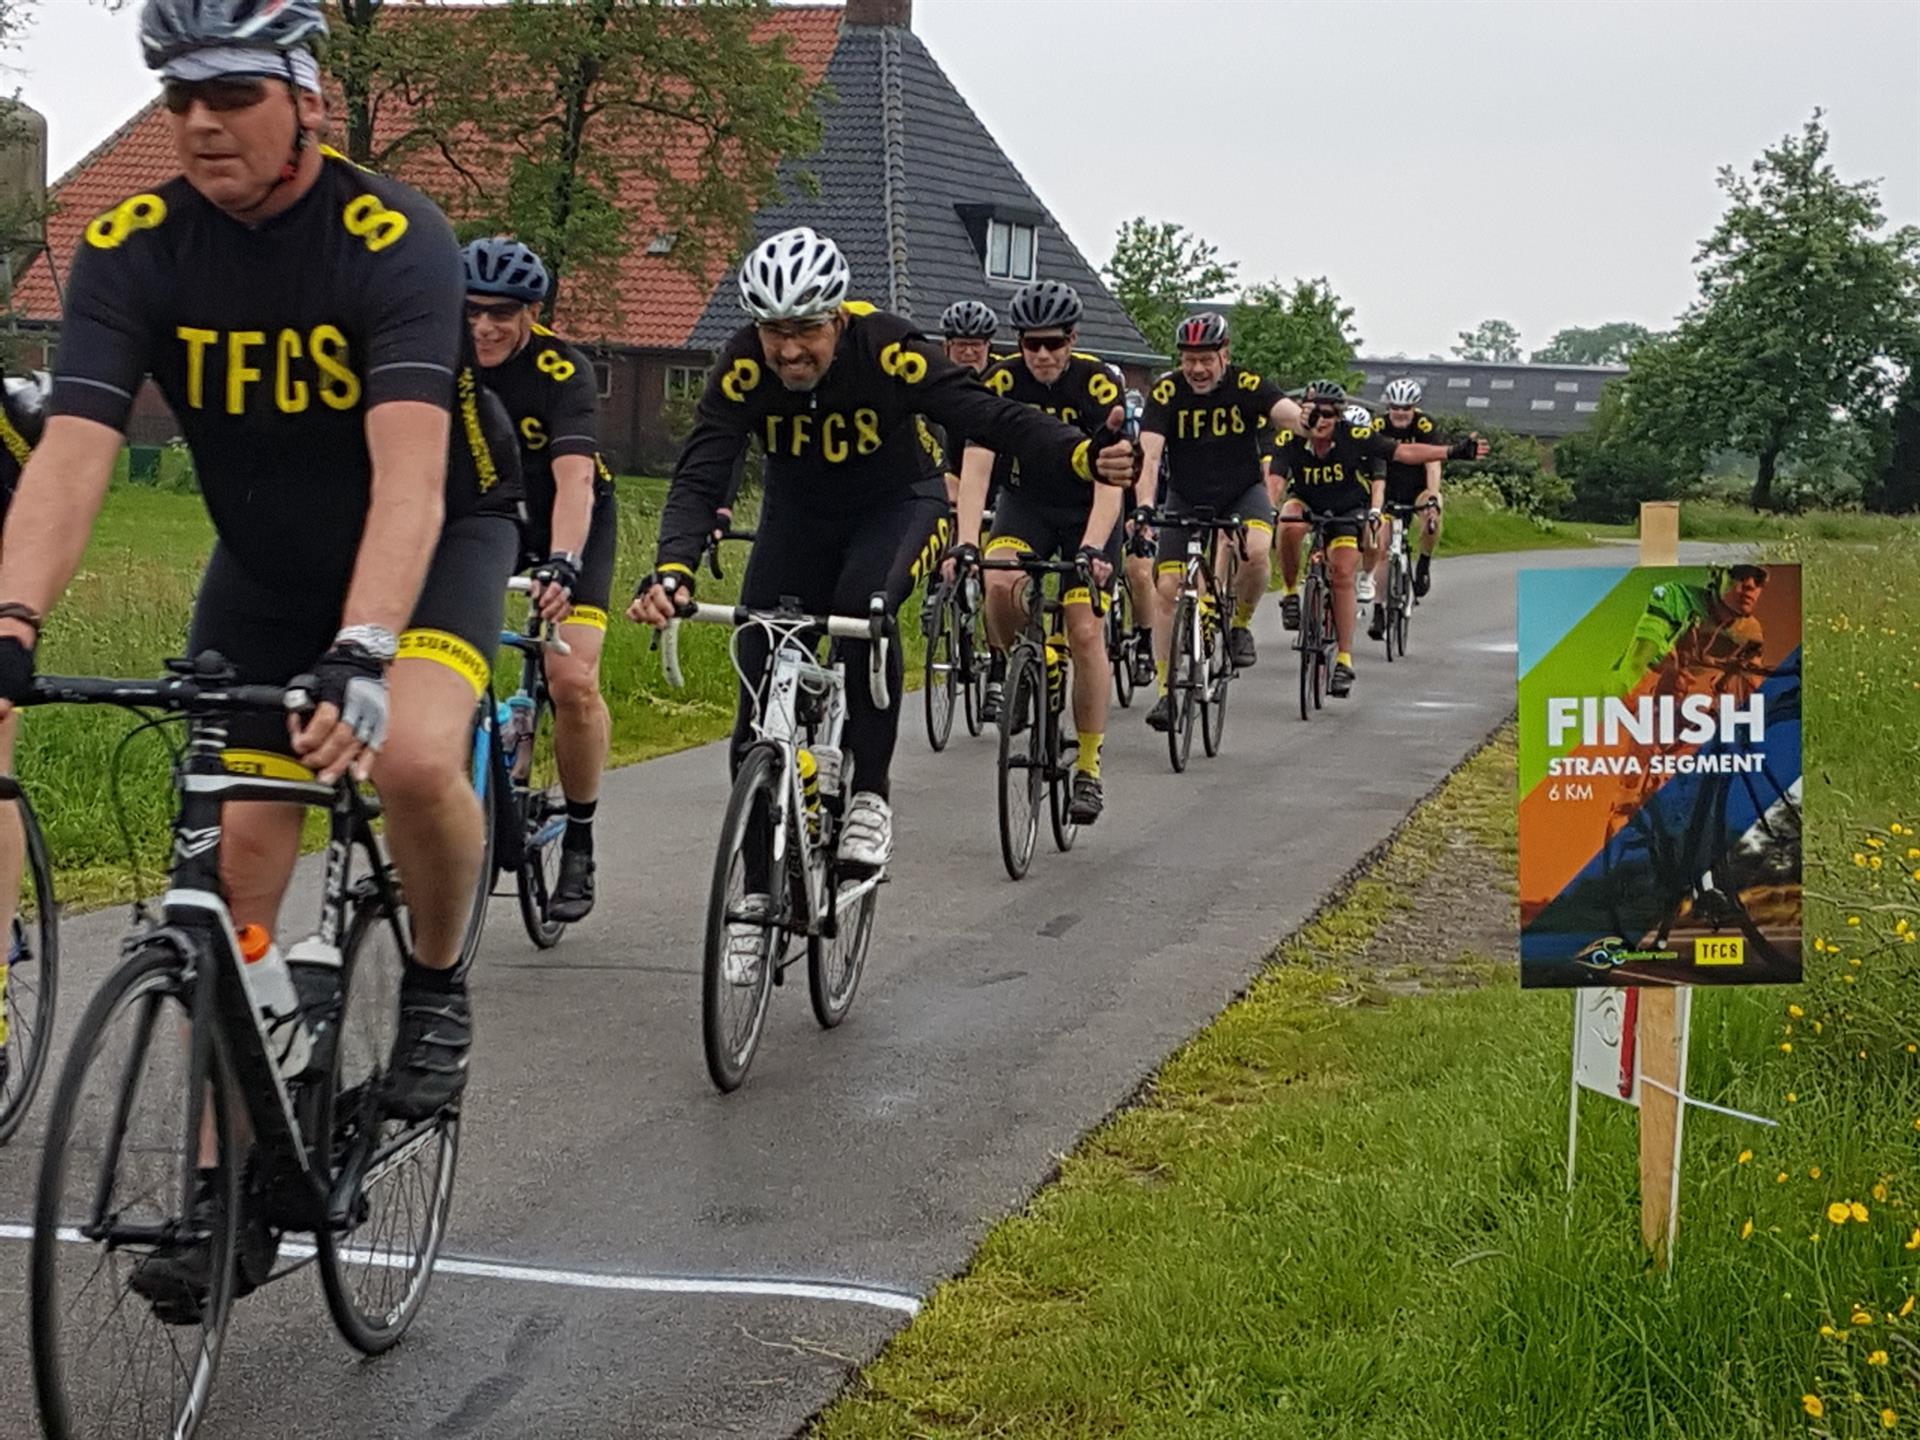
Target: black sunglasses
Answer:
[[220, 96], [1749, 572], [498, 310], [1327, 412], [1044, 342]]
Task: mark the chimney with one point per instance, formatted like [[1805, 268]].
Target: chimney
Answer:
[[897, 13]]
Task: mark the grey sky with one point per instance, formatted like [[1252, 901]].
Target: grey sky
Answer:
[[1556, 160]]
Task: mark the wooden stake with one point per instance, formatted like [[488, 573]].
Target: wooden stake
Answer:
[[1660, 1030]]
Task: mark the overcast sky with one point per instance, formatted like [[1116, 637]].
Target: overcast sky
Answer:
[[1550, 162]]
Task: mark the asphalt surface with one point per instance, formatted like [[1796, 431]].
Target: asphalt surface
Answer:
[[996, 1023]]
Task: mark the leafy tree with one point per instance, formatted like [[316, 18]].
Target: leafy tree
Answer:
[[1896, 490], [1493, 340], [1802, 302], [1512, 467], [1293, 334], [1158, 271], [1608, 344]]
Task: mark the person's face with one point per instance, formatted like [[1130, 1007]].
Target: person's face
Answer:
[[499, 328], [1323, 418], [1400, 416], [1741, 594], [233, 135], [1047, 353], [970, 353], [1203, 368], [799, 351]]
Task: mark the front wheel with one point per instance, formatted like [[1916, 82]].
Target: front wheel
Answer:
[[1120, 643], [835, 963], [543, 810], [974, 659], [1023, 762], [1184, 683], [744, 939], [29, 980], [1312, 651], [942, 670]]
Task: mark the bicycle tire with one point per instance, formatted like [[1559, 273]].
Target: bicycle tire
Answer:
[[1120, 643], [941, 673], [486, 777], [543, 812], [41, 944], [753, 808], [152, 976], [348, 1107], [1181, 686], [1021, 775], [1219, 676], [1329, 648], [974, 645], [830, 986], [1307, 641], [1059, 785]]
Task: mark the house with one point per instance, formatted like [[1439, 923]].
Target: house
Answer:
[[919, 194], [1544, 402]]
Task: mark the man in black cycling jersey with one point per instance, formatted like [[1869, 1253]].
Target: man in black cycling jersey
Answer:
[[302, 318], [23, 402], [1048, 513], [1329, 467], [1408, 485], [830, 389], [1204, 420], [549, 391]]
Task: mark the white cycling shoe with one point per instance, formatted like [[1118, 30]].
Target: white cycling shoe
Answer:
[[747, 941], [866, 836], [1363, 588]]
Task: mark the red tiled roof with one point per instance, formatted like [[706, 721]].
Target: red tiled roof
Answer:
[[656, 302]]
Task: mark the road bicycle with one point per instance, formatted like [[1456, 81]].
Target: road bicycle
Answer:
[[30, 972], [1199, 662], [214, 1096], [956, 658], [1316, 641], [1400, 600], [778, 888]]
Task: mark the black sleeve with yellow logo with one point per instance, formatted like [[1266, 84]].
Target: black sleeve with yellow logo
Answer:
[[1082, 397]]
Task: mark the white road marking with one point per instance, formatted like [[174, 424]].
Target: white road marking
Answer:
[[754, 1287]]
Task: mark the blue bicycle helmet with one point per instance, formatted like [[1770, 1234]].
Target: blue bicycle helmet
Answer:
[[499, 266]]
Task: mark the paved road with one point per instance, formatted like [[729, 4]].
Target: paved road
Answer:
[[996, 1024]]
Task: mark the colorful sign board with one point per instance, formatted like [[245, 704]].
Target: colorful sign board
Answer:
[[1660, 775]]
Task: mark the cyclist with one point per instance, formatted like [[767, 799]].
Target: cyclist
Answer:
[[1330, 466], [966, 330], [549, 391], [1048, 513], [1690, 630], [22, 413], [830, 389], [302, 318], [1204, 420], [1409, 485]]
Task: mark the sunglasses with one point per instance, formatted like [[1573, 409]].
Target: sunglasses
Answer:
[[1049, 343], [794, 329], [1756, 573], [498, 310], [1327, 412], [220, 96]]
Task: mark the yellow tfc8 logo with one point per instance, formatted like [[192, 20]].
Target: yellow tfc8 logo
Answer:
[[741, 377], [142, 212], [1720, 950], [372, 223], [1163, 392], [1249, 380], [552, 362], [907, 366], [1000, 381], [532, 433], [1103, 390]]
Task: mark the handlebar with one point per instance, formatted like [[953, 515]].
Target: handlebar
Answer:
[[710, 551], [183, 694], [550, 638], [1037, 568], [873, 628]]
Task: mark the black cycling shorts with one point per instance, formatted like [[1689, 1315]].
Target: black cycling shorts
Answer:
[[1025, 526], [1405, 492], [1345, 530], [1253, 506], [596, 564], [271, 635]]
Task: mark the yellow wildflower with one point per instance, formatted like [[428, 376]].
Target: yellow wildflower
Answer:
[[1795, 1011], [1907, 1309], [1913, 1243], [1745, 1156], [1786, 1047], [1880, 1191], [1876, 842], [1861, 1317], [1889, 1419], [1829, 1332], [1811, 1404], [1813, 1172], [1859, 1211], [1781, 1179], [1746, 1230], [1878, 1357], [1858, 858], [1838, 1213], [1792, 1099]]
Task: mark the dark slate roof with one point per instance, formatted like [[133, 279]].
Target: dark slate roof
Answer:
[[1547, 401], [902, 149]]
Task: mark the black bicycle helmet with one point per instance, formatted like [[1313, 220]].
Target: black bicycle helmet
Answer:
[[968, 320], [1324, 392], [501, 266], [1205, 331], [1045, 305], [172, 28]]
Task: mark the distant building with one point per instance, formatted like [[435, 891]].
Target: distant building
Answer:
[[1546, 402]]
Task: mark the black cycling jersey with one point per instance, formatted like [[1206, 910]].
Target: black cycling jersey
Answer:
[[851, 442], [1212, 440], [270, 343], [549, 390], [1407, 481], [1083, 396], [1339, 479]]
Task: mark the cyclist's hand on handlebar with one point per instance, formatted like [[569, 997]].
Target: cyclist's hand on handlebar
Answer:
[[1093, 560], [349, 724], [1373, 515], [962, 560], [16, 672], [1114, 458], [554, 581], [661, 598], [722, 522], [1472, 447]]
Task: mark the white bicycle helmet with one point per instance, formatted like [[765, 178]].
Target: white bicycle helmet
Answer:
[[796, 275], [1359, 416], [1405, 391]]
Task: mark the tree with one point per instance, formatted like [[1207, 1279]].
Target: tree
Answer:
[[1802, 303], [1608, 344], [1158, 271], [1295, 334], [1897, 489], [1493, 340]]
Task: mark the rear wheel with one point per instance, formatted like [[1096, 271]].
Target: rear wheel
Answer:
[[1184, 683], [485, 774], [1120, 643], [544, 810], [1219, 672], [973, 642], [1059, 786], [29, 978], [835, 963], [942, 670], [733, 1009], [1022, 760], [1312, 648]]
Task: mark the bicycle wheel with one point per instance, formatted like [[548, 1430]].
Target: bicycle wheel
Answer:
[[543, 809], [1403, 617], [1120, 643], [1059, 786], [29, 980], [835, 962], [124, 1140], [942, 672], [1183, 684], [484, 772], [376, 1272], [733, 1009], [1022, 766], [1218, 672], [973, 639], [1328, 649]]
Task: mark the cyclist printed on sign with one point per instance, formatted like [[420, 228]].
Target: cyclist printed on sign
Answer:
[[1689, 632], [1205, 419], [1409, 485], [830, 390], [550, 393], [22, 413], [1051, 513], [1330, 468]]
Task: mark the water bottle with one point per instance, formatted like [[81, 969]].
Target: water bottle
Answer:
[[514, 721], [270, 988], [1056, 672], [810, 794], [826, 764]]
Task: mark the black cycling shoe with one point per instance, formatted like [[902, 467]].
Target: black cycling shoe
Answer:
[[429, 1067], [572, 897], [1340, 683], [990, 702], [1422, 576], [1160, 717], [1142, 657], [1241, 647], [176, 1279], [1378, 628], [1290, 612], [1087, 801]]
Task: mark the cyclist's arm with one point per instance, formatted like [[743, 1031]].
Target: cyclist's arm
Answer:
[[574, 425], [706, 476], [953, 397], [1412, 452], [1104, 515], [1287, 416], [406, 503], [1153, 445], [573, 477], [60, 493], [1433, 480], [1377, 491], [976, 477]]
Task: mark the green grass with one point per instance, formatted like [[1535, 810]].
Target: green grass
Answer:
[[1341, 1212]]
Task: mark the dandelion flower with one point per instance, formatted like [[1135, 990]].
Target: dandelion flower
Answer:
[[1876, 842], [1795, 1011], [1853, 919], [1907, 1309], [1838, 1212], [1829, 1332], [1746, 1230], [1861, 1317], [1913, 1243], [1889, 1419], [1880, 1191], [1858, 1210], [1813, 1171], [1745, 1156], [1792, 1099], [1859, 859], [1811, 1404], [1781, 1179], [1786, 1047], [1878, 1357]]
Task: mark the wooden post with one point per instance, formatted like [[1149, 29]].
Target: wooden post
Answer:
[[1659, 1025]]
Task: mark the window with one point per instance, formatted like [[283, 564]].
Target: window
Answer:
[[1543, 404], [1459, 382], [1567, 387], [1478, 402], [662, 244], [1502, 384], [1010, 250], [603, 379], [1586, 407], [685, 382]]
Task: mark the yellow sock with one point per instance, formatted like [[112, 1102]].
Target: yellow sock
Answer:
[[1087, 761], [1160, 674], [1243, 614], [1345, 657], [1293, 589]]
